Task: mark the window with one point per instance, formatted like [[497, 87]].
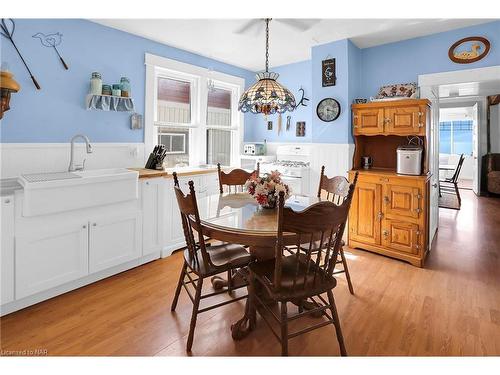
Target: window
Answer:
[[198, 122], [173, 101], [219, 126], [455, 137]]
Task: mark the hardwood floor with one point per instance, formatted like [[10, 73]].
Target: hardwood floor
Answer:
[[452, 307]]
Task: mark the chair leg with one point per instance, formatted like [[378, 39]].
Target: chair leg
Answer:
[[194, 315], [284, 330], [346, 270], [229, 281], [179, 286], [458, 195], [336, 323]]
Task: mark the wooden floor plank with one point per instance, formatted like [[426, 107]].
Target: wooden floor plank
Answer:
[[452, 307]]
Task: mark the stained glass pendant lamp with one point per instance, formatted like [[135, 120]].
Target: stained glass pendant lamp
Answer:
[[267, 96]]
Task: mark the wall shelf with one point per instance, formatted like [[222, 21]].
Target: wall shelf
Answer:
[[109, 103]]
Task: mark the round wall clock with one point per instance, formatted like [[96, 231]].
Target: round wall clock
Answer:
[[328, 109]]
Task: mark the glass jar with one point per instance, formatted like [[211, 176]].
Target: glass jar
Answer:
[[96, 83], [125, 87], [116, 90], [106, 90]]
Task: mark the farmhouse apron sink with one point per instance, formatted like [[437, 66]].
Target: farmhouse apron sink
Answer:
[[47, 193]]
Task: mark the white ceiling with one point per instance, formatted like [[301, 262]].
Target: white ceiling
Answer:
[[218, 38]]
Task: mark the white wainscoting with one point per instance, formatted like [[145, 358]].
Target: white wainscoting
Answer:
[[336, 157], [19, 158]]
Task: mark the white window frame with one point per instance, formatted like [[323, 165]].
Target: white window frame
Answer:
[[157, 66]]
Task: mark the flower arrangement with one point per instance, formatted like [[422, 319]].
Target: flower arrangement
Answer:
[[266, 189]]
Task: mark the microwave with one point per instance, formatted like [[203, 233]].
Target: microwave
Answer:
[[254, 149]]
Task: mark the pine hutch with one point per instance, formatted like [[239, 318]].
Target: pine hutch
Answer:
[[390, 212]]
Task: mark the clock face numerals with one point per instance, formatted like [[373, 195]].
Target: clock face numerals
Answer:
[[328, 109]]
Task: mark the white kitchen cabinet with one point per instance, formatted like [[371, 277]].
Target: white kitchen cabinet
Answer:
[[153, 192], [50, 259], [114, 240], [204, 184], [211, 183], [7, 249]]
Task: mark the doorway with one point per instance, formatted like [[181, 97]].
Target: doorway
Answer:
[[458, 136]]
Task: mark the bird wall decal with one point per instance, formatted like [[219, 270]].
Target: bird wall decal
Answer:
[[51, 41]]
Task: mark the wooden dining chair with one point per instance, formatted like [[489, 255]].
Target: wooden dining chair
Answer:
[[204, 261], [235, 178], [306, 274], [450, 185], [336, 189]]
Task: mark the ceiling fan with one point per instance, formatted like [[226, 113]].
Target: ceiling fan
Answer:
[[254, 26]]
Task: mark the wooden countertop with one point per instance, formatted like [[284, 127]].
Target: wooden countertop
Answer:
[[388, 172], [151, 173]]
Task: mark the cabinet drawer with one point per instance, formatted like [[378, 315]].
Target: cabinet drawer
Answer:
[[402, 236]]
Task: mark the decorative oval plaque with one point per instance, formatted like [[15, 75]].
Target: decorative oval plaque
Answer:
[[469, 50]]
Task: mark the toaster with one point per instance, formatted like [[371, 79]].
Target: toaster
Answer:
[[254, 149], [409, 160]]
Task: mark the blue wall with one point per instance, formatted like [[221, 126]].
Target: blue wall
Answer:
[[56, 112], [403, 61], [292, 76]]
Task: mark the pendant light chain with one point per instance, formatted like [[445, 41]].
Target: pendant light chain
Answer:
[[267, 44], [267, 96]]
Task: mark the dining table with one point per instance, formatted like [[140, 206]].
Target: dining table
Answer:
[[238, 218]]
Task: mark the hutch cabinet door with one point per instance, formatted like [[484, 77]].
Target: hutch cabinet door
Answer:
[[402, 201], [405, 120], [401, 236], [368, 121], [365, 214]]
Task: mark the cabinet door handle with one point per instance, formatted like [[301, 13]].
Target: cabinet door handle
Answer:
[[94, 224], [385, 232], [7, 201], [386, 199], [147, 182], [418, 210], [84, 227]]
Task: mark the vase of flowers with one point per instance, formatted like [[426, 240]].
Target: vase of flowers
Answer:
[[265, 190]]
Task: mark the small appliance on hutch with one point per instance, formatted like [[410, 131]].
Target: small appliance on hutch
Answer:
[[293, 162]]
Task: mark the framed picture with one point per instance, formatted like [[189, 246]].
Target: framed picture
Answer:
[[469, 50], [300, 129], [328, 77], [269, 125]]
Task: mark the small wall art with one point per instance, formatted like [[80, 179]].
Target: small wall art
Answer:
[[328, 77], [300, 129], [269, 125], [469, 50]]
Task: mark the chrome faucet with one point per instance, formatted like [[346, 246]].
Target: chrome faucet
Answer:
[[78, 167]]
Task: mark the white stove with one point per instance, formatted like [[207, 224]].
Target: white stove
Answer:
[[293, 162]]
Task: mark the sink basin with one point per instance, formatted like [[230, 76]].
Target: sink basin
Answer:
[[47, 193]]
